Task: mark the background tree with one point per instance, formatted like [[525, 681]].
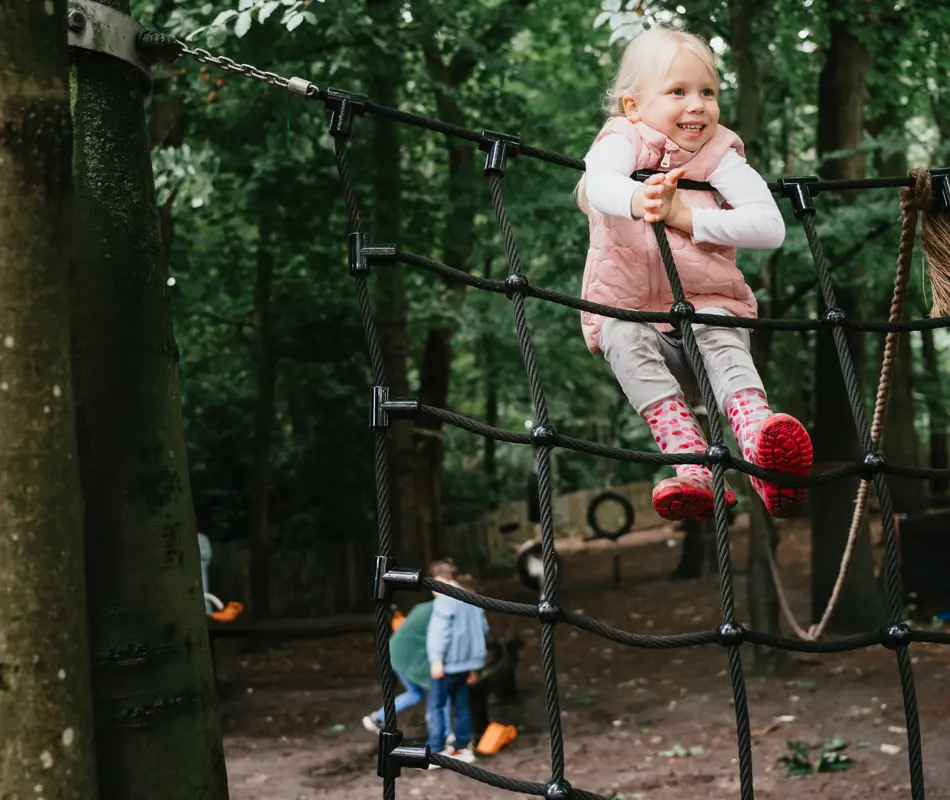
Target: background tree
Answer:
[[155, 700], [46, 737]]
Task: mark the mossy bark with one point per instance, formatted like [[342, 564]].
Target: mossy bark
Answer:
[[46, 738], [157, 727]]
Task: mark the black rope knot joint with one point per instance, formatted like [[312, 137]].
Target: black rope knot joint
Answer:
[[549, 613], [498, 146], [730, 634], [834, 317], [363, 254], [343, 106], [799, 191], [558, 789], [717, 454], [543, 436], [382, 407], [896, 636], [680, 310], [515, 284], [872, 462], [386, 580], [940, 189]]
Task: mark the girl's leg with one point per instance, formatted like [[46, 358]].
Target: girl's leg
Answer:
[[638, 357], [773, 441]]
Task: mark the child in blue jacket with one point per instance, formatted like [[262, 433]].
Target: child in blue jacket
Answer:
[[455, 646]]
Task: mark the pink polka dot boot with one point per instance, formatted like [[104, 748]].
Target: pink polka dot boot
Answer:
[[689, 494], [772, 441]]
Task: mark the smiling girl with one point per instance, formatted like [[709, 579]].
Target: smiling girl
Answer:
[[664, 115]]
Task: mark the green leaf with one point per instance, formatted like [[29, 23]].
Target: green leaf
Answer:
[[223, 17], [267, 9], [243, 24]]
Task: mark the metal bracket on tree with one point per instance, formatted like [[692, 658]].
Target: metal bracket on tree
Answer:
[[97, 27]]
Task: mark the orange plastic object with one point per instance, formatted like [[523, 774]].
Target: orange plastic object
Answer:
[[229, 613], [398, 619], [495, 737]]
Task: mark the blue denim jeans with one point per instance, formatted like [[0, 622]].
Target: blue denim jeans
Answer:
[[414, 694], [452, 690]]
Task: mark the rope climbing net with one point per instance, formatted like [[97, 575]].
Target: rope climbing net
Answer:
[[396, 755]]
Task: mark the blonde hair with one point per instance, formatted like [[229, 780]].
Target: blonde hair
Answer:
[[645, 63]]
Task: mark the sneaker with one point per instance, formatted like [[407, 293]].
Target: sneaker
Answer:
[[370, 723], [782, 444], [466, 754], [450, 741]]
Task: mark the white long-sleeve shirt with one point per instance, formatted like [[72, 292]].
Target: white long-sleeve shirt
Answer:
[[753, 221]]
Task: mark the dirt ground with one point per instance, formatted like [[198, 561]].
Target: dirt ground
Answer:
[[292, 716]]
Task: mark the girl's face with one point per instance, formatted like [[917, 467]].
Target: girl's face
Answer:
[[683, 106]]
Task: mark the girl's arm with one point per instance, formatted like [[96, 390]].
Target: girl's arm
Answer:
[[609, 187], [754, 219]]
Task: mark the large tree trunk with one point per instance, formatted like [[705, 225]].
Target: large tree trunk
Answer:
[[763, 536], [489, 370], [900, 444], [263, 418], [155, 701], [384, 82], [46, 728], [457, 242], [840, 127], [750, 75]]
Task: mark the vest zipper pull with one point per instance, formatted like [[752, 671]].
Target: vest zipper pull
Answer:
[[665, 163]]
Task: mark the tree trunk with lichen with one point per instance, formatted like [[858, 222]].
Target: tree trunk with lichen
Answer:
[[842, 88], [157, 729], [46, 729]]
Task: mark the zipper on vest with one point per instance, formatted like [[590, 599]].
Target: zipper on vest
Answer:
[[665, 163]]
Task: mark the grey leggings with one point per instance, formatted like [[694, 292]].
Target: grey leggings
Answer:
[[651, 366]]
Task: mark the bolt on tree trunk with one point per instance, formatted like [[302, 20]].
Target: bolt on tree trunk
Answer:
[[155, 701], [46, 729]]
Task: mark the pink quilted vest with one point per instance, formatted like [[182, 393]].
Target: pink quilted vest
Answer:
[[624, 268]]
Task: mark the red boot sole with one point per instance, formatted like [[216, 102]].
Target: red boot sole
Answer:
[[675, 503], [784, 445]]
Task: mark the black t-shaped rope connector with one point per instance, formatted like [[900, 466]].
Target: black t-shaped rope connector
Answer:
[[799, 191], [393, 755], [940, 188], [363, 254], [386, 765], [343, 106], [382, 407], [498, 146], [386, 580]]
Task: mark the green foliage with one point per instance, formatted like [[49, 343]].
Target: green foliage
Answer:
[[811, 759], [259, 175]]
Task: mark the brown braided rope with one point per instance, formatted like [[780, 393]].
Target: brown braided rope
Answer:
[[913, 200]]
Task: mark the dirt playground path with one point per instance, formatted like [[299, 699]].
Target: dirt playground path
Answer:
[[292, 716]]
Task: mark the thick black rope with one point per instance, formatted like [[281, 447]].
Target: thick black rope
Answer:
[[666, 459], [545, 500], [720, 320], [891, 560], [382, 609], [685, 313]]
